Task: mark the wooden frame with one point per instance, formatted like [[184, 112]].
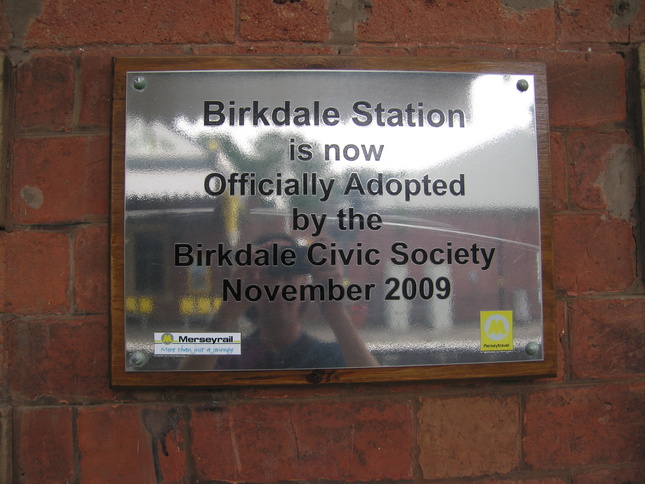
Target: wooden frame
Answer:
[[119, 377]]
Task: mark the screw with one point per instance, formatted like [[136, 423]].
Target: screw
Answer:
[[522, 85], [139, 83], [138, 358], [532, 348]]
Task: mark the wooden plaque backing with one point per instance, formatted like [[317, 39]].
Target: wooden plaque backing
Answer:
[[119, 377]]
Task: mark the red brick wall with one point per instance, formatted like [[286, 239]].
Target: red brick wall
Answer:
[[61, 422]]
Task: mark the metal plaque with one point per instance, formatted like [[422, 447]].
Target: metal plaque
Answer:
[[326, 219]]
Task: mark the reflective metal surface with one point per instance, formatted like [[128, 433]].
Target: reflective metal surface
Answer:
[[410, 201]]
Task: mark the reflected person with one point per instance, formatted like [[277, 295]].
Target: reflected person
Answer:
[[279, 340]]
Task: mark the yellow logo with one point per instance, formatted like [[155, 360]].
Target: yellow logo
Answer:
[[167, 338], [496, 330]]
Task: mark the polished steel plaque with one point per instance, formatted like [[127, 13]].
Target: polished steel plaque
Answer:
[[279, 219]]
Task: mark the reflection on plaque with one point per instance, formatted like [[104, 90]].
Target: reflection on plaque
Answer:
[[330, 219]]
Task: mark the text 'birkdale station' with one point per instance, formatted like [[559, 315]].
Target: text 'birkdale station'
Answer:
[[363, 113]]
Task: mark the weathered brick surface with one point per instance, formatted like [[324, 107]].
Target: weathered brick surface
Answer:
[[593, 253], [454, 22], [96, 89], [585, 89], [60, 179], [4, 352], [607, 338], [485, 429], [483, 52], [265, 48], [62, 359], [344, 441], [45, 93], [123, 443], [87, 22], [544, 480], [91, 256], [37, 272], [6, 444], [613, 475], [603, 22], [302, 21], [558, 172], [5, 29], [594, 158], [637, 26], [44, 444], [571, 427]]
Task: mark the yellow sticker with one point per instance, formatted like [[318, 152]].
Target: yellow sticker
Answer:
[[496, 330]]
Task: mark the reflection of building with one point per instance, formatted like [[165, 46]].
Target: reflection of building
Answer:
[[188, 297], [163, 168]]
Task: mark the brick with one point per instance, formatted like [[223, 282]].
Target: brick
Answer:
[[166, 429], [383, 51], [4, 377], [607, 338], [579, 22], [558, 172], [5, 29], [45, 93], [5, 249], [87, 22], [265, 48], [486, 429], [614, 475], [96, 90], [602, 171], [301, 21], [446, 21], [466, 52], [44, 445], [575, 427], [6, 448], [637, 27], [281, 392], [62, 359], [593, 253], [319, 440], [585, 89], [544, 480], [60, 179], [129, 444], [91, 256], [37, 272]]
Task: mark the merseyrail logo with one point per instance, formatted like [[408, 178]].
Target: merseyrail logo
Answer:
[[496, 330], [180, 344]]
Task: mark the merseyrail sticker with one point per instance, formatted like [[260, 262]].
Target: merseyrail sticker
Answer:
[[180, 344], [496, 330]]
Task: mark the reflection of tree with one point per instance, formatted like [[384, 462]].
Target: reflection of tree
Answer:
[[267, 154]]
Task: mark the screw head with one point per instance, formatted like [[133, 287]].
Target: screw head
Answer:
[[139, 83], [532, 348], [522, 85], [138, 358]]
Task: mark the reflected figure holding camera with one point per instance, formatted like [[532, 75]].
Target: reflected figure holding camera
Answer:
[[279, 340]]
